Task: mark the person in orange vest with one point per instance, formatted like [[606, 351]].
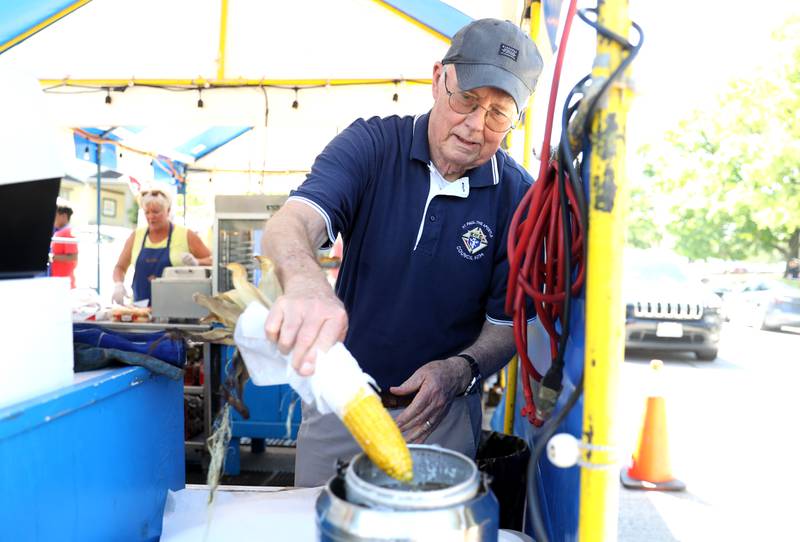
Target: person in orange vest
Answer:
[[65, 254]]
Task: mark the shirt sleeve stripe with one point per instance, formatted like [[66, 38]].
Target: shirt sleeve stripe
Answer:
[[498, 322], [320, 210]]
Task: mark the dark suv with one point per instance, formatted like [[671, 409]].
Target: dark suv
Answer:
[[665, 310]]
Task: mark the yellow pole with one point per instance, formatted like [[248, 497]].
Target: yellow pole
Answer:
[[223, 38], [44, 24], [403, 15], [199, 82], [536, 17], [605, 315], [511, 388], [511, 396]]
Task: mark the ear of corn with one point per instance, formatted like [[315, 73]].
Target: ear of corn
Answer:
[[364, 415], [269, 284], [245, 290], [377, 434]]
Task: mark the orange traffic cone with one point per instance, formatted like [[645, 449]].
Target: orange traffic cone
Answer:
[[650, 468]]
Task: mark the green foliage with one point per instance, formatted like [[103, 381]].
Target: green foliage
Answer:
[[133, 213], [642, 231], [730, 176]]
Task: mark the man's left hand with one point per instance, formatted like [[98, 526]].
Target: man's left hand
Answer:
[[436, 384]]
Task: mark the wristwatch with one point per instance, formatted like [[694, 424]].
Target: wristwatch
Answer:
[[476, 374]]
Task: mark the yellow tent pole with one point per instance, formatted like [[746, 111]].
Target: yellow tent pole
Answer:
[[511, 396], [415, 22], [605, 317], [513, 367], [44, 24], [223, 39], [536, 18], [200, 82]]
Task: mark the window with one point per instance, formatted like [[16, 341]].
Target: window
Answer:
[[109, 207]]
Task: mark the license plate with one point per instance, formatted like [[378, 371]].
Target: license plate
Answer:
[[669, 329]]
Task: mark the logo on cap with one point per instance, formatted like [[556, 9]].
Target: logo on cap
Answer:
[[508, 51]]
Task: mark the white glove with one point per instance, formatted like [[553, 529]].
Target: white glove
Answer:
[[120, 292], [188, 259]]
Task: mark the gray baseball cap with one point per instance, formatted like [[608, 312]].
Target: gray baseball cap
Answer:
[[495, 53]]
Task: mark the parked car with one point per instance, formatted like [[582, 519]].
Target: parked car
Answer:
[[764, 303], [666, 309]]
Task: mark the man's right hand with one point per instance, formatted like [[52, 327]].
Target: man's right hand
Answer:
[[307, 317]]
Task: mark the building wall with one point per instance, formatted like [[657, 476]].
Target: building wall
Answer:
[[115, 203]]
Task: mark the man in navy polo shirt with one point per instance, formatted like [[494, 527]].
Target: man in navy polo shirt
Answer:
[[423, 205]]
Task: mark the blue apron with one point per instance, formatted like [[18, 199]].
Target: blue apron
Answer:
[[149, 265]]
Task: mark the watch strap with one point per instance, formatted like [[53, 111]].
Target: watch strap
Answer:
[[476, 374]]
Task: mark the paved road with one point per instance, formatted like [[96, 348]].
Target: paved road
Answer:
[[732, 439]]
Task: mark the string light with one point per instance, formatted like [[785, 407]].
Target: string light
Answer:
[[295, 103], [396, 96], [108, 96], [199, 99]]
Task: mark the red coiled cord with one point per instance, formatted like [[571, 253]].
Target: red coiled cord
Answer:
[[536, 248]]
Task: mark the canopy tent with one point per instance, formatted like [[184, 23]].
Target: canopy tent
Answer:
[[294, 72]]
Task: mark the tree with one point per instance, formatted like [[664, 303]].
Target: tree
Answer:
[[731, 175]]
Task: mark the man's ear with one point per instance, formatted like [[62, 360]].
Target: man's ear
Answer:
[[438, 70]]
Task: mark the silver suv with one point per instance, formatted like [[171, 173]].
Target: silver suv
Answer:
[[666, 310]]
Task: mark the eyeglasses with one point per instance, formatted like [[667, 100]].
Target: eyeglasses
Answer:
[[465, 103]]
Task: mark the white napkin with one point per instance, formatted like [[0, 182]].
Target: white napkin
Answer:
[[337, 377]]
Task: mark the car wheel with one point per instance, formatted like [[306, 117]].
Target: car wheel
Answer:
[[706, 355], [766, 327]]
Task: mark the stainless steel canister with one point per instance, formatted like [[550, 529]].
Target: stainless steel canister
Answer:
[[447, 500]]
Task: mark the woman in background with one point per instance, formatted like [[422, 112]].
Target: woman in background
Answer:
[[161, 244]]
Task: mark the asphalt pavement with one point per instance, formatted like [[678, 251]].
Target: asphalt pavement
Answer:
[[731, 439]]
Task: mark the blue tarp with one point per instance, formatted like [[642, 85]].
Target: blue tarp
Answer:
[[156, 344]]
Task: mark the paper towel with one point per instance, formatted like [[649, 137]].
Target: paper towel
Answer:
[[337, 376]]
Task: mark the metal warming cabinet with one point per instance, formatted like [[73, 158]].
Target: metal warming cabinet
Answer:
[[238, 221], [238, 225]]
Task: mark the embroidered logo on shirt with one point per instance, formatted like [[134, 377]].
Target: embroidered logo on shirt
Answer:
[[475, 240], [508, 51], [475, 237]]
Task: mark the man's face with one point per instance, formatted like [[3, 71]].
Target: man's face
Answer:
[[61, 220], [460, 141]]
